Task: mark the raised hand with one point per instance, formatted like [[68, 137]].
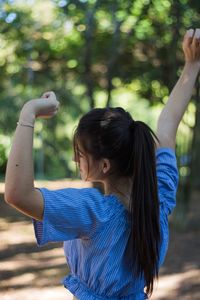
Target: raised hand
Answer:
[[191, 45], [44, 107]]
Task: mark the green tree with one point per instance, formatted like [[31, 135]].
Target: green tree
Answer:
[[91, 53]]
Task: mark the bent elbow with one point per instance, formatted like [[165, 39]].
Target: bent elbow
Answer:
[[11, 197]]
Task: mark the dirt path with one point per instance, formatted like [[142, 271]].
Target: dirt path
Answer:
[[28, 272]]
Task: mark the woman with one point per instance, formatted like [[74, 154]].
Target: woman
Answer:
[[114, 242]]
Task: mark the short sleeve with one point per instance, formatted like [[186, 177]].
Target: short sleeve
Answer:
[[70, 214], [167, 178]]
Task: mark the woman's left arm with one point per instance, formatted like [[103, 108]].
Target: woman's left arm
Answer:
[[180, 96], [19, 181]]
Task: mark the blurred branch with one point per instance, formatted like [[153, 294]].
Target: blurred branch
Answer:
[[117, 49], [90, 17], [114, 54], [176, 12]]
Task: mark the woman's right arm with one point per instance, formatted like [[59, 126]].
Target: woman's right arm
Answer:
[[180, 96], [19, 181]]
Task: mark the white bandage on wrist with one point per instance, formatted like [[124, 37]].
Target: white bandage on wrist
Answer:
[[22, 123]]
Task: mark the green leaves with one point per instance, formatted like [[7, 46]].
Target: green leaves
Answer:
[[91, 53]]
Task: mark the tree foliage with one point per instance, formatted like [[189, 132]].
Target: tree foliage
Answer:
[[91, 53]]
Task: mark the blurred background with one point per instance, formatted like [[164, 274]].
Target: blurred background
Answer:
[[94, 53]]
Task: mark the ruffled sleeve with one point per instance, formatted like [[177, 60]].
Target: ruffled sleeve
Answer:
[[70, 214]]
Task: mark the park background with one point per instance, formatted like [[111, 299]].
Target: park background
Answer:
[[94, 53]]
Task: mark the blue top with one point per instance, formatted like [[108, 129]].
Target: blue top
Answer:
[[95, 230]]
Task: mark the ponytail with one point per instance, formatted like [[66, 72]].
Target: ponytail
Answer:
[[106, 133], [144, 205]]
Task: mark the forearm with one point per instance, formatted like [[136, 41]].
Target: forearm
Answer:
[[177, 103], [19, 181]]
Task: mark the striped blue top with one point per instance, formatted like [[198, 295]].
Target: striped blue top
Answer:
[[95, 230]]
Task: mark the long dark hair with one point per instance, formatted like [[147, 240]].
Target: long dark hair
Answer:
[[130, 146]]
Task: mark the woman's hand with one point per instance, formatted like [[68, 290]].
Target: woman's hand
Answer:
[[44, 107], [191, 46]]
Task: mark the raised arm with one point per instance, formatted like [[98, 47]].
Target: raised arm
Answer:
[[19, 182], [180, 96]]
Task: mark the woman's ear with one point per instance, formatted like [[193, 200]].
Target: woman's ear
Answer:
[[105, 165]]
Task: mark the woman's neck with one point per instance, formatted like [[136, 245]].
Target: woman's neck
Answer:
[[121, 188]]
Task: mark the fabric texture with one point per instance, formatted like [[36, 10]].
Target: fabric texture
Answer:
[[95, 229]]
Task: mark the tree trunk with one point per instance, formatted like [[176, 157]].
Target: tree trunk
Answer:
[[195, 161], [89, 35]]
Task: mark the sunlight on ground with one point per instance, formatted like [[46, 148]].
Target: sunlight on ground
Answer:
[[7, 236], [52, 293], [2, 188], [169, 284]]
